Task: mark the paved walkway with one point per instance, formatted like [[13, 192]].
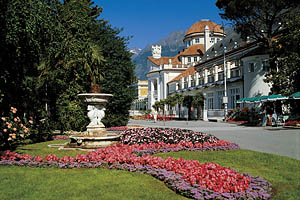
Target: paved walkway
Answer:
[[284, 142]]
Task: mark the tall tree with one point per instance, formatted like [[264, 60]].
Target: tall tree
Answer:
[[27, 29], [198, 101], [265, 22], [179, 100], [285, 78], [260, 20], [118, 74]]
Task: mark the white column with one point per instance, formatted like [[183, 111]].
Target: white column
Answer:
[[197, 78], [204, 108], [228, 70], [216, 73], [205, 76], [206, 38], [158, 89], [182, 83], [189, 79], [152, 94], [164, 83]]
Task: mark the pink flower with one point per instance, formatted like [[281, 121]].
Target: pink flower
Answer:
[[9, 125], [5, 130], [3, 118], [13, 110]]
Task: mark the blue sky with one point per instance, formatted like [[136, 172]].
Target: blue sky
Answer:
[[151, 20]]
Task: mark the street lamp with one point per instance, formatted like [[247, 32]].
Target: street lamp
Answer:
[[225, 98]]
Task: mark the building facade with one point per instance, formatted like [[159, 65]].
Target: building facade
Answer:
[[208, 50], [162, 70], [141, 102]]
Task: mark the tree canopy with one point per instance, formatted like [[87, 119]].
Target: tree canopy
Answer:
[[275, 24], [258, 19], [52, 50]]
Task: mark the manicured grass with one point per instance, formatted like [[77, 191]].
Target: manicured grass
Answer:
[[282, 172], [36, 183], [41, 149]]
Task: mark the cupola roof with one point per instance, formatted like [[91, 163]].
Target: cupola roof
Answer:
[[199, 27]]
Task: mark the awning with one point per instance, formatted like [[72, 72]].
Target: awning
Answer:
[[296, 95], [274, 97]]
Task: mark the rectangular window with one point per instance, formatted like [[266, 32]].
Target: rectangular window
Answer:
[[221, 93], [211, 78], [185, 83], [210, 100], [212, 40], [265, 65], [197, 40], [189, 59], [179, 85], [201, 80], [233, 97], [235, 73], [195, 59], [220, 76], [251, 67], [193, 83]]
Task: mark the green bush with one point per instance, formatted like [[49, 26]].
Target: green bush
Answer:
[[71, 110]]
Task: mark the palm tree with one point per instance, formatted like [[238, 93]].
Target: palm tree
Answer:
[[187, 102], [162, 104], [198, 102], [156, 106], [179, 100], [171, 102]]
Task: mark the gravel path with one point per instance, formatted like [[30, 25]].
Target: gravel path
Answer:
[[284, 142]]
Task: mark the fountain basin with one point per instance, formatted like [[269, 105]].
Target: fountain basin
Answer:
[[95, 136], [86, 142]]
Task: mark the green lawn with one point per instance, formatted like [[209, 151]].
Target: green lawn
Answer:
[[35, 183]]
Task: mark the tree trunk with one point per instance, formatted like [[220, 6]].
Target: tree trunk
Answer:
[[198, 112]]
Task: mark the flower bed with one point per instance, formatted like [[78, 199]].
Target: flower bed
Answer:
[[292, 123], [166, 135], [122, 128], [60, 137], [187, 177], [237, 122]]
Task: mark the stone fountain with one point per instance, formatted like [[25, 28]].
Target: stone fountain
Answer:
[[95, 136]]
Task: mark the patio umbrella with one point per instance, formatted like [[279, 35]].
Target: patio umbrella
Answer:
[[261, 98], [242, 100], [274, 97], [295, 95], [251, 100]]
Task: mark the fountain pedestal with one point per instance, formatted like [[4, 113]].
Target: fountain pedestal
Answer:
[[96, 135]]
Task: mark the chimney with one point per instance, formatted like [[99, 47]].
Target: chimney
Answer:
[[206, 38], [156, 51]]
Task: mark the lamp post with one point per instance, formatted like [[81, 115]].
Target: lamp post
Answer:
[[225, 98]]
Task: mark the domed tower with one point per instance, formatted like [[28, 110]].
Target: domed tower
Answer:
[[203, 32]]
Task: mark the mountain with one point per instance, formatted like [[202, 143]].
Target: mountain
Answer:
[[135, 51], [171, 45]]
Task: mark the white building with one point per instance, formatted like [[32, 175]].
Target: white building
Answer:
[[164, 69], [140, 104], [200, 68]]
